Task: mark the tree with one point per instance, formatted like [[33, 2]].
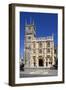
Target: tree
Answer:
[[22, 67]]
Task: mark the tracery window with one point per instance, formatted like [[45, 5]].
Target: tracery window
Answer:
[[48, 43]]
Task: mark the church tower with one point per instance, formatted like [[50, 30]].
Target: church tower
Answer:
[[29, 36]]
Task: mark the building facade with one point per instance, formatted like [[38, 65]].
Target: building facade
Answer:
[[38, 51]]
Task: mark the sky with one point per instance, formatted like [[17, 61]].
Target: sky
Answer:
[[46, 24]]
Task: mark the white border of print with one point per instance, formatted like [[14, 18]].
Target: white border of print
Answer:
[[19, 80]]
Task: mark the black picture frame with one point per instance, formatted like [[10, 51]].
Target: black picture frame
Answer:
[[12, 43]]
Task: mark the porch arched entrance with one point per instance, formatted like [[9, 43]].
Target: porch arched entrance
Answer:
[[41, 62]]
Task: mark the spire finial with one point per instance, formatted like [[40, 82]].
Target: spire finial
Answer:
[[33, 21], [25, 22]]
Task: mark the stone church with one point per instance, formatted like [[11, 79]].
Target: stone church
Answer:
[[38, 51]]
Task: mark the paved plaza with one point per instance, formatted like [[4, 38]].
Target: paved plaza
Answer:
[[38, 72]]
